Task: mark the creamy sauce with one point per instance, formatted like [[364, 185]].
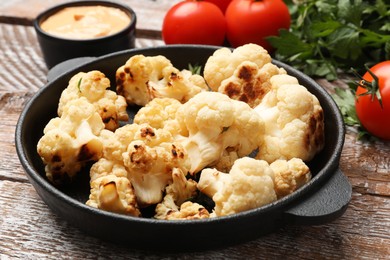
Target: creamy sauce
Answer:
[[86, 22]]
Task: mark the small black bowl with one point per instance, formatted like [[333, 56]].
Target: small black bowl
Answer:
[[321, 200], [56, 49]]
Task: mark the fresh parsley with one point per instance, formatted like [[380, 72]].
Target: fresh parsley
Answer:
[[345, 99], [195, 69], [329, 36], [79, 84]]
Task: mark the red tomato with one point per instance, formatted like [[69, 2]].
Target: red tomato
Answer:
[[222, 4], [374, 117], [193, 22], [251, 21]]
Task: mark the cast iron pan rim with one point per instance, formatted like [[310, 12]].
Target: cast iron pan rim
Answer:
[[329, 168], [45, 14]]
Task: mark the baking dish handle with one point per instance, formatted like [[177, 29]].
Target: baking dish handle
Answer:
[[326, 204], [65, 66]]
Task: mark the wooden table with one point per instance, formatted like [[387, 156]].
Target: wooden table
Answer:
[[28, 229]]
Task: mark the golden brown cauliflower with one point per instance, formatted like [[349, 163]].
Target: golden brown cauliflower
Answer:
[[294, 121], [142, 79], [146, 156], [114, 194], [161, 113], [224, 62], [290, 175], [70, 141], [218, 127], [252, 183], [250, 83], [94, 86], [187, 210], [248, 185], [175, 205]]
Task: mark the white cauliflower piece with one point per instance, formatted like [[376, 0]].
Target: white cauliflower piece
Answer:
[[150, 168], [290, 175], [111, 190], [148, 156], [249, 82], [70, 141], [105, 167], [161, 113], [248, 185], [114, 194], [294, 121], [218, 126], [142, 79], [94, 86], [224, 62], [175, 204], [187, 210]]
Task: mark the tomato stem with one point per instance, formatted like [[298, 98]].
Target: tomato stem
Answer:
[[372, 87]]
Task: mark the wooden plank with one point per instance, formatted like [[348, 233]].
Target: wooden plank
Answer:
[[150, 13], [361, 232], [10, 107], [22, 67], [30, 230]]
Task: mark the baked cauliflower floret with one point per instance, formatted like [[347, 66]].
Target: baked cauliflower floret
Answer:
[[294, 122], [94, 86], [289, 175], [248, 185], [224, 62], [150, 168], [142, 79], [161, 113], [217, 126], [148, 156], [105, 167], [175, 204], [70, 141], [250, 83], [115, 194], [188, 210]]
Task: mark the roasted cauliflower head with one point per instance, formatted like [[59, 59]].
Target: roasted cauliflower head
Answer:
[[94, 86], [248, 185], [249, 82], [114, 194], [218, 127], [161, 113], [294, 121], [289, 175], [176, 204], [146, 156], [70, 141], [224, 63], [142, 79], [252, 183]]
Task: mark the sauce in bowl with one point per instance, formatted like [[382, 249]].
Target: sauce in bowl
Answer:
[[86, 22]]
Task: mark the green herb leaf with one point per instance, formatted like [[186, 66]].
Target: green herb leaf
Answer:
[[345, 100], [195, 69], [79, 84], [336, 33]]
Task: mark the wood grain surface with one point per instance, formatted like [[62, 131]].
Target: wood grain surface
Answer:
[[29, 230], [149, 13]]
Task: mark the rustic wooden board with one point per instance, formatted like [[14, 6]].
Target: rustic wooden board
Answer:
[[149, 13], [29, 230]]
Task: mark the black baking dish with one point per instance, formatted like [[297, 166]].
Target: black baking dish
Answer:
[[321, 200]]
